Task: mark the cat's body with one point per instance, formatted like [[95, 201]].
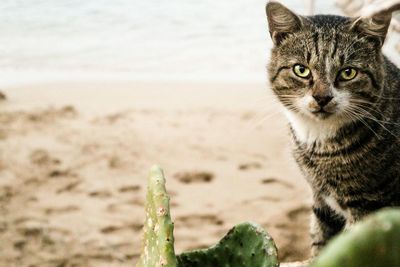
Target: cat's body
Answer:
[[356, 171], [342, 99]]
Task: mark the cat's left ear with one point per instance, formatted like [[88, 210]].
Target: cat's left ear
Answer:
[[375, 26]]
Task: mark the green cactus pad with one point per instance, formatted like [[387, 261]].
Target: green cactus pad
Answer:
[[245, 245], [158, 241], [374, 242]]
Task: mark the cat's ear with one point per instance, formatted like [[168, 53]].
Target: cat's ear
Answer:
[[374, 26], [282, 21]]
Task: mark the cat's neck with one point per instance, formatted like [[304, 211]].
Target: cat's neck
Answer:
[[333, 133], [310, 131]]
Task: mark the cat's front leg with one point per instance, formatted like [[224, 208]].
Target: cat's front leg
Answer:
[[325, 223]]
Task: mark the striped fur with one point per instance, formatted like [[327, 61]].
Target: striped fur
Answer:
[[350, 155]]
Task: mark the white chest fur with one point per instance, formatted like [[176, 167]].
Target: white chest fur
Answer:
[[308, 130]]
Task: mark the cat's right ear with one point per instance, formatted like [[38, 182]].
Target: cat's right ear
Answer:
[[281, 21]]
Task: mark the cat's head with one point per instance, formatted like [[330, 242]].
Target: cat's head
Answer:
[[324, 68]]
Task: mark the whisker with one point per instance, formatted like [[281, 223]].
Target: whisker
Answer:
[[353, 115], [364, 109], [368, 115]]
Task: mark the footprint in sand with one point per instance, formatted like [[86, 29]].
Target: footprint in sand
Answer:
[[195, 220], [264, 198], [194, 177], [272, 180], [6, 193], [295, 238], [129, 188], [19, 244], [50, 114], [32, 181], [110, 118], [249, 166], [59, 210], [100, 194], [136, 201], [68, 187], [30, 228], [3, 227], [110, 229], [136, 227], [115, 162], [59, 173], [3, 96], [42, 157]]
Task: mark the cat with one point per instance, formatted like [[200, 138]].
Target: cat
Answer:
[[341, 96]]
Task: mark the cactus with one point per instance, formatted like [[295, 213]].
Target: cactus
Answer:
[[245, 245], [158, 241], [374, 242]]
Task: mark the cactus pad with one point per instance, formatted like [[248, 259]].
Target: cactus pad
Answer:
[[374, 242], [245, 245]]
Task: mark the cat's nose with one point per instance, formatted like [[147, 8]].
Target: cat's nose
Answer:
[[322, 100]]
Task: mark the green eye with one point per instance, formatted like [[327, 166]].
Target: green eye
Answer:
[[301, 71], [347, 74]]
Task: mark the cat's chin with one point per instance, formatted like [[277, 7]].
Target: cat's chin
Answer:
[[322, 115], [310, 127]]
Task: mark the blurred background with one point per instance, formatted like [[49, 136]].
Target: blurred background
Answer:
[[123, 39], [95, 92]]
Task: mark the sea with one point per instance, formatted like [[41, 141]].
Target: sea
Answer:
[[156, 40]]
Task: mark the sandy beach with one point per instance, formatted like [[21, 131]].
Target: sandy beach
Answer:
[[97, 92], [74, 159]]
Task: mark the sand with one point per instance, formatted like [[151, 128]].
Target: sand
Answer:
[[74, 159]]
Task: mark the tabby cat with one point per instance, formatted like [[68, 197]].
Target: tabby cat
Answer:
[[341, 96]]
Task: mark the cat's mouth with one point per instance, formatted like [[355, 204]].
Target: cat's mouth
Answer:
[[321, 113]]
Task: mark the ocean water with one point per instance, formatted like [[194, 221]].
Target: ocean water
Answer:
[[45, 40]]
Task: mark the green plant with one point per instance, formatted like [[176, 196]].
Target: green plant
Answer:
[[158, 237], [245, 245], [374, 242]]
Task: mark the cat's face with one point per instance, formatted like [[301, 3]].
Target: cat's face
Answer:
[[325, 69]]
